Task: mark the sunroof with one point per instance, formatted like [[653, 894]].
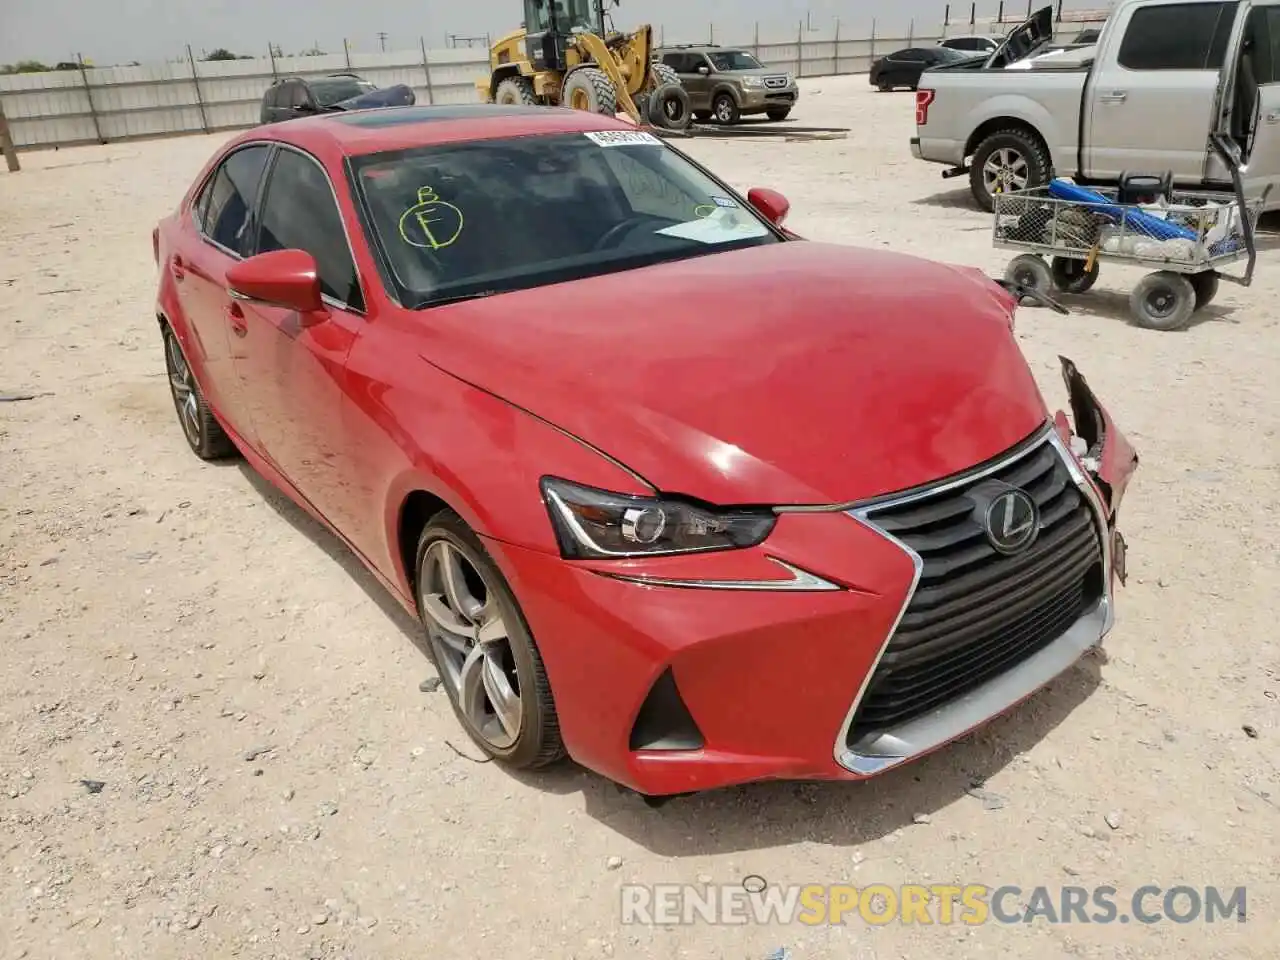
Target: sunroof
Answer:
[[398, 116]]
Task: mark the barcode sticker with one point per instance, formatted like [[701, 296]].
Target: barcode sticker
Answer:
[[622, 138]]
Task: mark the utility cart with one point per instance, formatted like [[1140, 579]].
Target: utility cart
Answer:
[[1187, 238]]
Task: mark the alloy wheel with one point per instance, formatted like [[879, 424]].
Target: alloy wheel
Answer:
[[182, 385], [1005, 171], [472, 646]]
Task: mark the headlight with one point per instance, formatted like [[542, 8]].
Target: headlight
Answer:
[[753, 82], [595, 523]]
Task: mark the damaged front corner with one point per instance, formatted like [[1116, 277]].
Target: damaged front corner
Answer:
[[1109, 458]]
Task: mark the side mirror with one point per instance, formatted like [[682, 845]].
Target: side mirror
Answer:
[[770, 204], [704, 70], [281, 278]]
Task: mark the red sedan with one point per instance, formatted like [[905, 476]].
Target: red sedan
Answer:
[[673, 491]]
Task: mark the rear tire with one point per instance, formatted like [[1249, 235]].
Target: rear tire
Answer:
[[200, 427], [588, 88], [515, 91], [1017, 158], [1206, 288], [1070, 275]]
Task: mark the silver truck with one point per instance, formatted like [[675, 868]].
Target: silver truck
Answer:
[[1166, 82]]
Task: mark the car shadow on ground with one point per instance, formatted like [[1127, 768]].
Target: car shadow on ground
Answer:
[[960, 198], [1114, 305], [757, 815], [339, 553]]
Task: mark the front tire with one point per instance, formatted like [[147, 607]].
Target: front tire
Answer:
[[203, 433], [1007, 161], [488, 663], [725, 109], [1163, 301]]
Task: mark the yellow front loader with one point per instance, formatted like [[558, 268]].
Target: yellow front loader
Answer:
[[564, 55]]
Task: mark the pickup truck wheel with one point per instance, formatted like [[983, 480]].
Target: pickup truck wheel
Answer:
[[1163, 301], [1029, 270], [1070, 275], [1007, 161], [1206, 287], [725, 108]]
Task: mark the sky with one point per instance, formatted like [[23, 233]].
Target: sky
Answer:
[[119, 31]]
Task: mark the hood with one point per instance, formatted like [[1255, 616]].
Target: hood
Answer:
[[401, 95], [793, 373], [1024, 39]]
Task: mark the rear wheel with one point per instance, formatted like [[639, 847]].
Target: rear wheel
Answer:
[[515, 91], [204, 434], [588, 88], [1206, 288], [1070, 275], [488, 662], [725, 109], [1005, 162]]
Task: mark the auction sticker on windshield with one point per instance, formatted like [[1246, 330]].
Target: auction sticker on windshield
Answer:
[[622, 138]]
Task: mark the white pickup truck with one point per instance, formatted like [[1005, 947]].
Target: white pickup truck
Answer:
[[1165, 79]]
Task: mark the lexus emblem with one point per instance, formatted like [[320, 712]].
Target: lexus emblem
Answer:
[[1012, 521]]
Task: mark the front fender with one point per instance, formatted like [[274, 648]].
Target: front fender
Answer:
[[484, 457]]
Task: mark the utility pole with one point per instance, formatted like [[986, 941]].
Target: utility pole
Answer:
[[382, 39]]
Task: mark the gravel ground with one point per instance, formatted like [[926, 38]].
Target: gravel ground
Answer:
[[215, 743]]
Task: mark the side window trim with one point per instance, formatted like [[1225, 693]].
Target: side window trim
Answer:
[[252, 209], [265, 192]]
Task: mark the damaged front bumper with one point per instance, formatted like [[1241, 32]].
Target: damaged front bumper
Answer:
[[1103, 452]]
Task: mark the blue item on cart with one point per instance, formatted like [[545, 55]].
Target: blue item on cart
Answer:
[[1132, 218]]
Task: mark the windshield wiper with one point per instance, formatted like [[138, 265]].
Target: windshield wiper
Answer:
[[454, 298]]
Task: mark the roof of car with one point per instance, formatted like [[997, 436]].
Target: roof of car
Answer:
[[379, 129]]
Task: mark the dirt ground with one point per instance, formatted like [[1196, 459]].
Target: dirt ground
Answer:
[[163, 621]]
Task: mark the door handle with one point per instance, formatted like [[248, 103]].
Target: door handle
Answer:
[[1115, 96], [238, 325], [1273, 117], [178, 269]]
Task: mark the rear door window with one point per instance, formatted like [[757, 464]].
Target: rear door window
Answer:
[[224, 210], [1182, 36]]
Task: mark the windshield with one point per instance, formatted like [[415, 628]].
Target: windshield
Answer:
[[734, 60], [333, 90], [570, 14], [949, 53], [496, 215]]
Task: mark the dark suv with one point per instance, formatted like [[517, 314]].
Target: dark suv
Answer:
[[291, 97], [726, 84]]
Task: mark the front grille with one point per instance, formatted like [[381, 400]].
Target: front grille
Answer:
[[977, 613], [775, 82]]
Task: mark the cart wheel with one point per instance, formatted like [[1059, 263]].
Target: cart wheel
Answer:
[[1206, 287], [1070, 275], [1029, 270], [1163, 301]]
